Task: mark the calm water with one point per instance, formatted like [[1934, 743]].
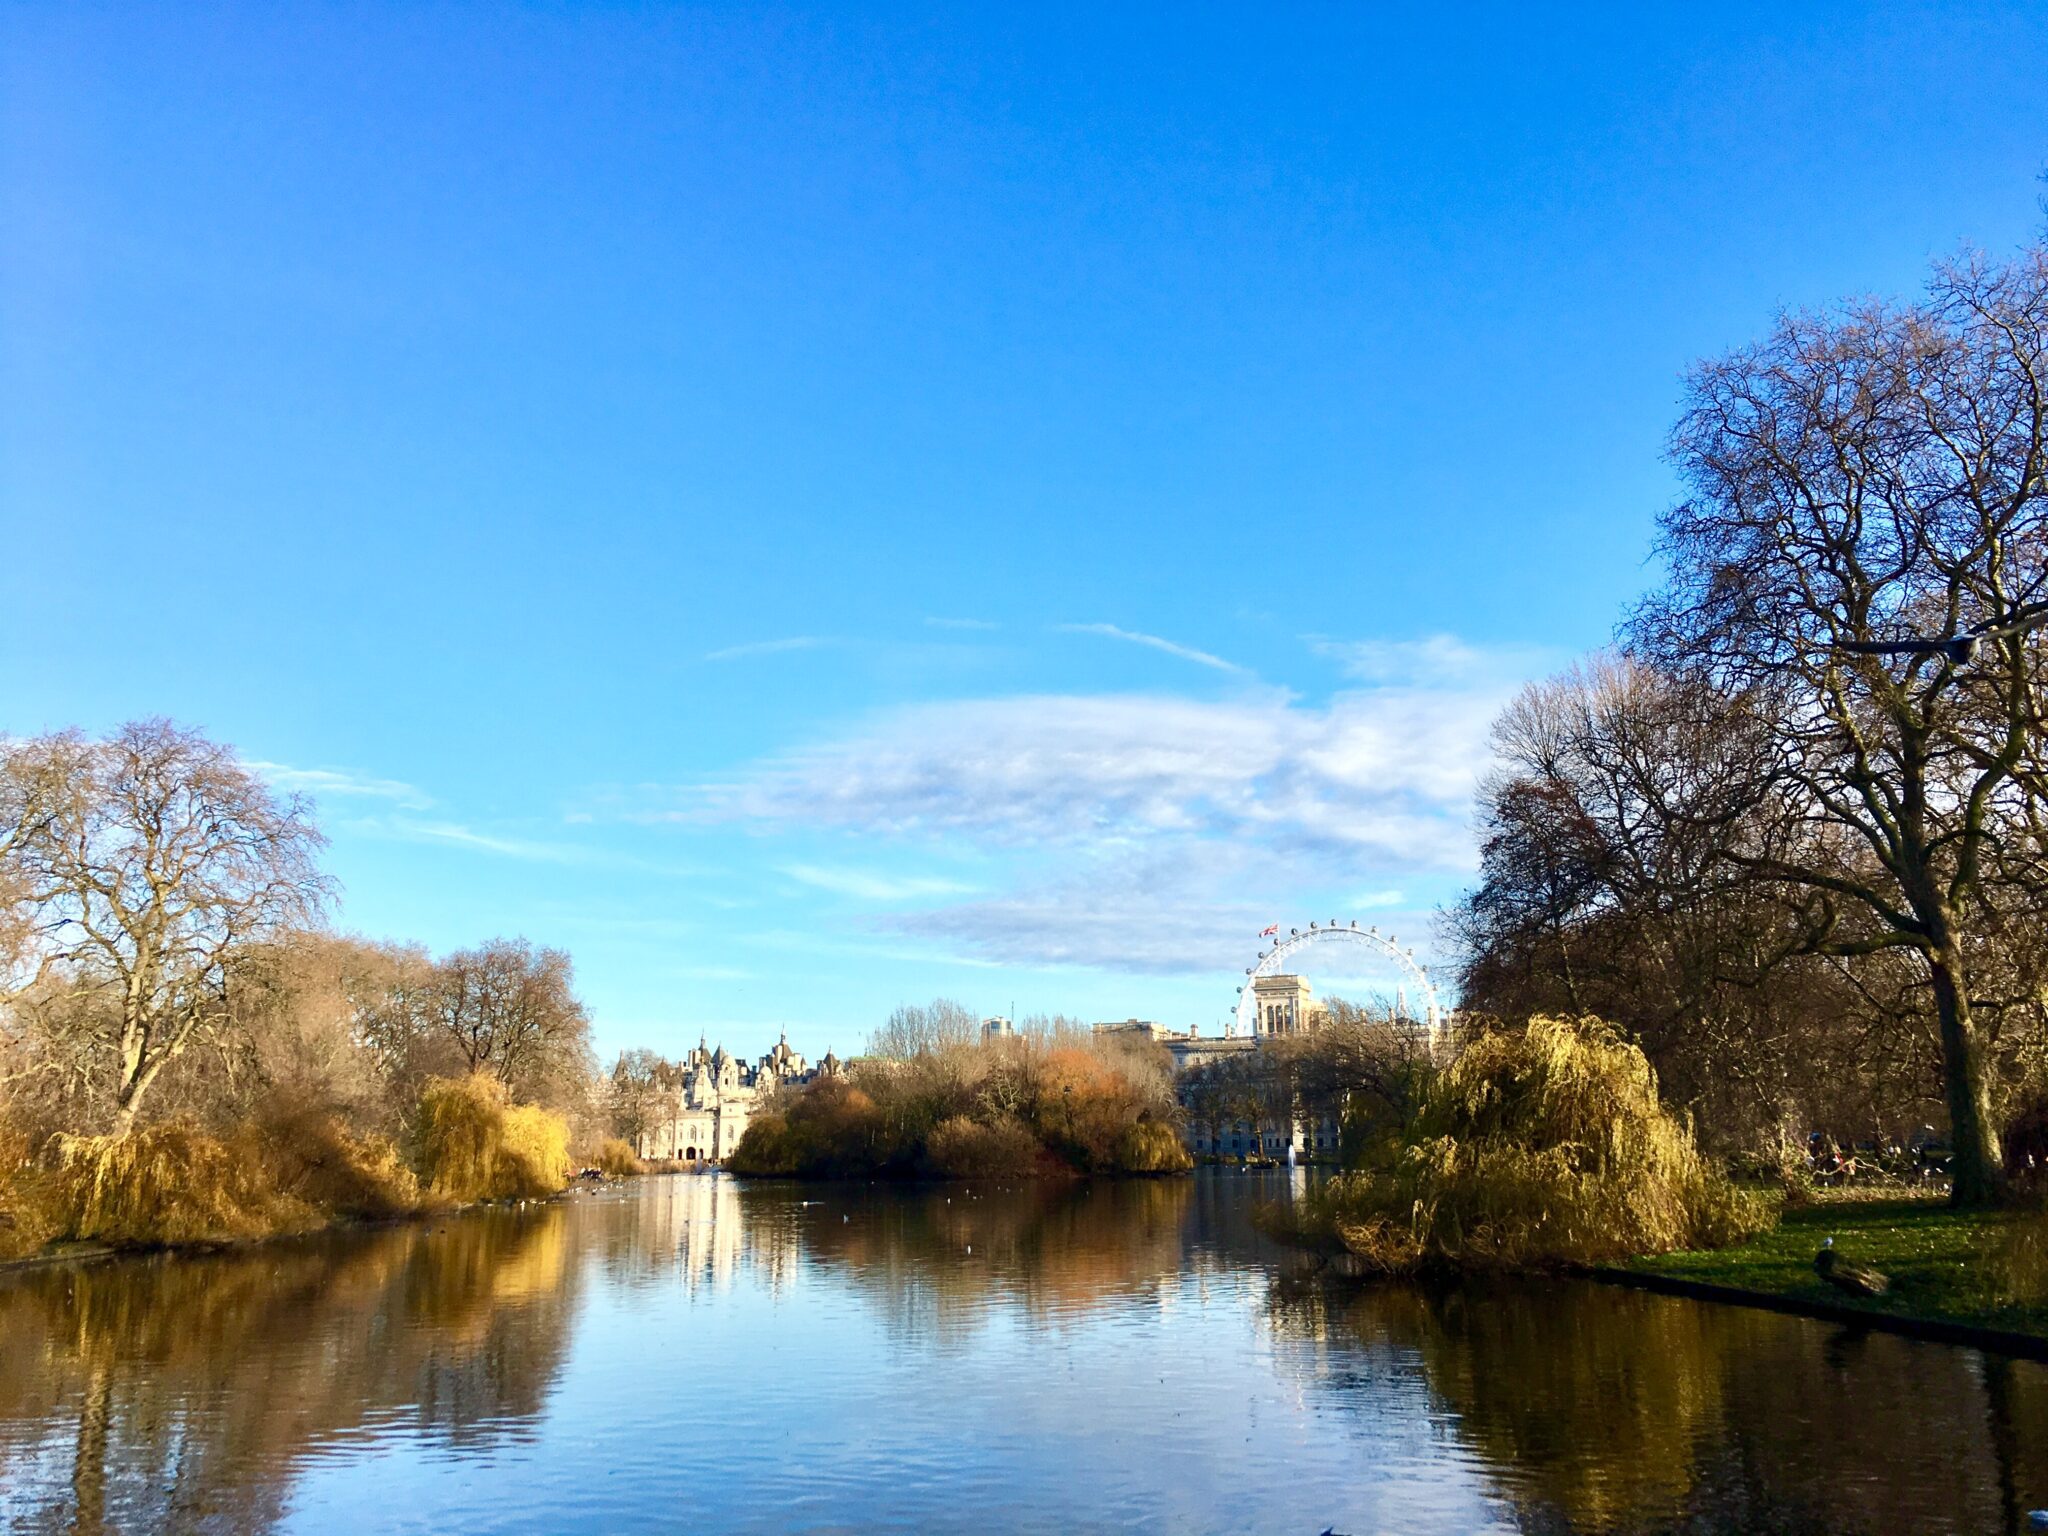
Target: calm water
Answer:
[[699, 1356]]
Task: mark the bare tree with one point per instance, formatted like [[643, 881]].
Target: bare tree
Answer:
[[512, 1010], [1854, 478], [640, 1082], [912, 1031], [140, 868], [1606, 888]]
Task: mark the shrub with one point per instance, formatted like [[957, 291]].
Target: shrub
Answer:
[[2019, 1262], [617, 1160], [474, 1143], [1010, 1107], [831, 1130], [960, 1148], [31, 1205], [312, 1158], [172, 1183], [1151, 1146], [1545, 1146], [765, 1147]]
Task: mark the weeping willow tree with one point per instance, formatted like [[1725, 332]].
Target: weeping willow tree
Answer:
[[1546, 1145]]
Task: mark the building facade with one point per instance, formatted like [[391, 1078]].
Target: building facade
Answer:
[[713, 1097], [1226, 1113]]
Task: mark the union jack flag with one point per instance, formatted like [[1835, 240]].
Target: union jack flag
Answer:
[[1267, 933]]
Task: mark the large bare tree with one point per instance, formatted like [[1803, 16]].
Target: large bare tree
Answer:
[[140, 868], [1858, 478], [511, 1010]]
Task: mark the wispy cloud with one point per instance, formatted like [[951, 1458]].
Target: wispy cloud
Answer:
[[770, 647], [1432, 661], [454, 834], [1143, 831], [1384, 772], [867, 885], [343, 783], [1372, 901], [936, 623], [1155, 642]]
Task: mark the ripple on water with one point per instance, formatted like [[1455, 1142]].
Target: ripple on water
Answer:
[[695, 1355]]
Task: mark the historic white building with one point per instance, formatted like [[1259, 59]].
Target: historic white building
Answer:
[[712, 1097]]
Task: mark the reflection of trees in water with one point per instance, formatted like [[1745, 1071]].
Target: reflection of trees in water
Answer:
[[937, 1257], [1603, 1410], [176, 1393]]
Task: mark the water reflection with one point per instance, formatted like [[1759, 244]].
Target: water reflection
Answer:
[[941, 1262], [1593, 1409], [169, 1393], [1111, 1357]]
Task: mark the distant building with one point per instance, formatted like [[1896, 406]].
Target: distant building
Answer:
[[997, 1028], [1286, 1005], [713, 1096], [1220, 1122], [1146, 1029]]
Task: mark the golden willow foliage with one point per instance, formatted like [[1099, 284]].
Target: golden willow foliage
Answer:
[[31, 1208], [1010, 1108], [171, 1183], [1538, 1147], [176, 1183], [476, 1144]]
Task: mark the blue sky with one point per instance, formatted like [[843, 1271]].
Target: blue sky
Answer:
[[811, 510]]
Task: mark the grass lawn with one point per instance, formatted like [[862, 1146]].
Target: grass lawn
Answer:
[[1942, 1264]]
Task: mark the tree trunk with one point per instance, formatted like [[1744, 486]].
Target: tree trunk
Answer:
[[1978, 1168]]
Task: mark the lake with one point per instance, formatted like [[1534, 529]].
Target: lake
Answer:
[[701, 1355]]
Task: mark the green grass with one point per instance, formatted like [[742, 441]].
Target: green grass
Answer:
[[1942, 1264]]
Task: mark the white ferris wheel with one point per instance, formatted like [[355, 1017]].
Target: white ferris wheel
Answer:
[[1278, 961]]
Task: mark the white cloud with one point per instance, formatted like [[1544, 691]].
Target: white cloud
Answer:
[[1384, 772], [867, 885], [412, 830], [1372, 901], [770, 647], [1133, 637], [1433, 660], [1144, 831], [342, 782]]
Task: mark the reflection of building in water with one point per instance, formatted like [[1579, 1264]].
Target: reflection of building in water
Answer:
[[710, 1096], [718, 1232], [711, 1241]]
